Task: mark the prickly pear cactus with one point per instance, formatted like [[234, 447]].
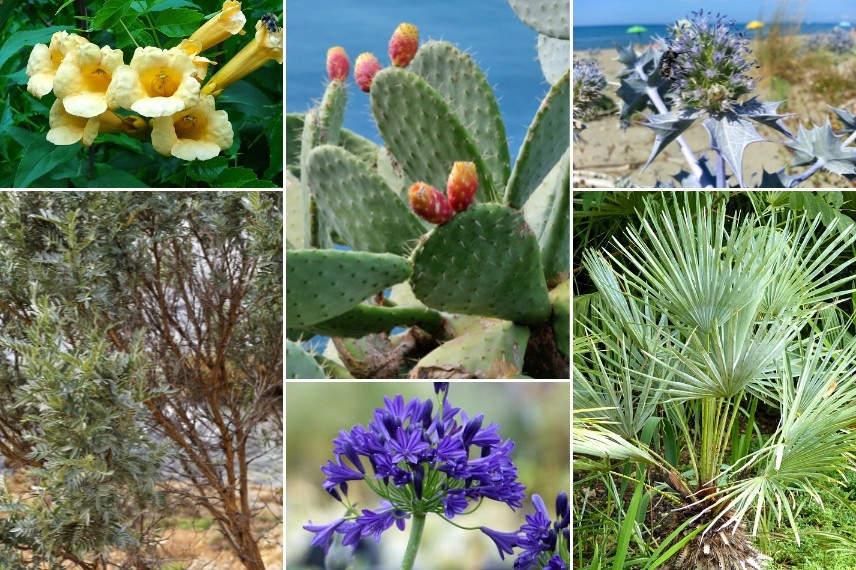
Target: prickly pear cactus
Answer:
[[409, 281]]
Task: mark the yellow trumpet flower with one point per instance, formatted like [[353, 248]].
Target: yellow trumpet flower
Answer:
[[266, 45]]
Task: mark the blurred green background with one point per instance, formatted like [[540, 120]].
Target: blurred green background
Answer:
[[536, 416]]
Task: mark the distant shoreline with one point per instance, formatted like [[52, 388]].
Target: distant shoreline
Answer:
[[606, 37]]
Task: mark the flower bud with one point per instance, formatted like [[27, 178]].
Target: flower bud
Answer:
[[338, 64], [365, 68], [403, 44]]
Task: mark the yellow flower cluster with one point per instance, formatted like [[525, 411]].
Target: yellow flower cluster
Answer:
[[162, 85]]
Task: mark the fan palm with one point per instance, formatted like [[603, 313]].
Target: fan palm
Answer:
[[696, 317]]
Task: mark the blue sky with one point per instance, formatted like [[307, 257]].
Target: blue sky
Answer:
[[629, 12]]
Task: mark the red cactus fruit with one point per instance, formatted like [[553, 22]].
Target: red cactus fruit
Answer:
[[365, 69], [462, 185], [429, 203], [338, 64], [403, 44]]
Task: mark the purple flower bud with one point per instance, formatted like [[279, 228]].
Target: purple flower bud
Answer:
[[471, 429], [710, 62]]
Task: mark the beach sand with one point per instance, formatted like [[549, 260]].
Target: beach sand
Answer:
[[604, 152]]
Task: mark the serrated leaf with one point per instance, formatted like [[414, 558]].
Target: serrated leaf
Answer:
[[235, 178], [847, 118], [207, 170], [764, 113], [776, 179], [110, 14], [730, 135], [668, 127], [640, 75], [132, 32], [627, 55], [178, 22], [823, 145]]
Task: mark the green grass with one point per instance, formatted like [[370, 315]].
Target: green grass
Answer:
[[818, 550]]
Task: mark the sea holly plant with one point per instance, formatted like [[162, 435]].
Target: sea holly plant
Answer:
[[444, 463], [702, 76], [407, 279], [135, 73]]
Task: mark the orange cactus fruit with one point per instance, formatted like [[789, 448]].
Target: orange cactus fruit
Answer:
[[365, 68], [462, 185], [403, 44], [338, 64], [429, 203]]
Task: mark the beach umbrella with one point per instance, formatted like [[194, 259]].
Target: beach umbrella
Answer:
[[844, 24], [754, 25], [637, 30]]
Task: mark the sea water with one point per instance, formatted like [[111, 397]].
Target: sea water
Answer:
[[608, 37], [502, 45]]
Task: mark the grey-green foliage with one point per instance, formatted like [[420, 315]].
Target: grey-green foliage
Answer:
[[91, 283], [498, 260], [84, 420], [681, 338]]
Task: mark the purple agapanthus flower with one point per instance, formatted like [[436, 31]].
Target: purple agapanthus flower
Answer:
[[419, 462], [545, 541]]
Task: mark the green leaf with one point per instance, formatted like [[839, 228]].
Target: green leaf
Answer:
[[41, 157], [250, 99], [110, 14], [168, 4], [133, 33], [27, 39], [629, 524], [178, 22], [109, 177], [207, 170], [235, 178], [275, 142]]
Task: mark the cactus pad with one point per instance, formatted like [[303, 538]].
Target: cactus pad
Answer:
[[363, 210], [299, 364], [331, 113], [547, 212], [555, 57], [546, 141], [465, 88], [551, 17], [560, 297], [296, 215], [422, 131], [494, 351], [321, 284], [367, 319], [485, 261]]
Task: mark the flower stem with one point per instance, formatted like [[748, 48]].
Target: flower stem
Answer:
[[413, 542]]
